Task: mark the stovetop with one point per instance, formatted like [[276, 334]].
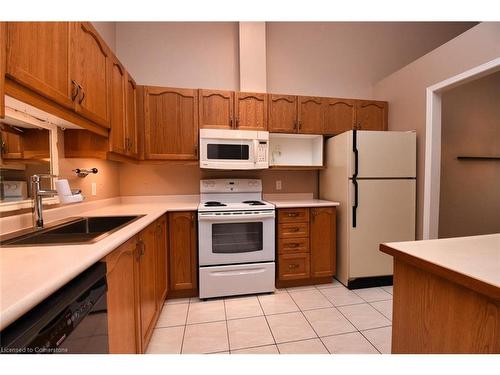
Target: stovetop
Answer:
[[235, 206]]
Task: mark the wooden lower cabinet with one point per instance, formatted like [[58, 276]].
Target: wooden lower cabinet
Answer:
[[136, 278], [3, 50], [306, 251], [183, 270]]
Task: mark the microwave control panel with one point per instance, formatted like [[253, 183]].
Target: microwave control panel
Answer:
[[261, 156]]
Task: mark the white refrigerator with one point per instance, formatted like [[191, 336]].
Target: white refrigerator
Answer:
[[373, 176]]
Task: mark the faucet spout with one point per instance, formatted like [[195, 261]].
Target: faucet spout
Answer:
[[38, 194]]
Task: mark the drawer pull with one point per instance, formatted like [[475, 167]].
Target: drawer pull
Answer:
[[293, 214], [293, 266], [294, 229], [292, 245]]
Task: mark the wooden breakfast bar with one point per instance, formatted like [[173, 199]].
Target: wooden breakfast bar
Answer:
[[446, 295]]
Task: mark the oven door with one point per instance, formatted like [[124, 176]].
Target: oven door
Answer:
[[227, 153], [236, 237]]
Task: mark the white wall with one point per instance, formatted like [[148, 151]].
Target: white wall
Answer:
[[180, 54], [345, 59], [469, 202], [406, 89], [108, 32]]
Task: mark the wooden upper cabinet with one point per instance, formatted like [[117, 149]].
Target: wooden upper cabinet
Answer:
[[171, 123], [310, 115], [121, 297], [251, 111], [11, 144], [323, 241], [216, 109], [147, 282], [3, 50], [131, 128], [37, 58], [371, 115], [282, 113], [118, 142], [340, 115], [89, 71], [182, 248]]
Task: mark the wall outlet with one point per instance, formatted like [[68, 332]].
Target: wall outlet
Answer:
[[278, 185], [94, 188]]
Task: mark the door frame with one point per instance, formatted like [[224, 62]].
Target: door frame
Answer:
[[433, 141]]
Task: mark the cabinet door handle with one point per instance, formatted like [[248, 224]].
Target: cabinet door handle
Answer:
[[231, 122], [75, 89], [195, 150], [237, 122], [300, 124], [83, 94]]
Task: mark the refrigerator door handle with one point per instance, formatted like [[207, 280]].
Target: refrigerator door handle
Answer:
[[356, 156], [355, 205]]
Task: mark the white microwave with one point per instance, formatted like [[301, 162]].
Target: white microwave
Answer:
[[234, 149]]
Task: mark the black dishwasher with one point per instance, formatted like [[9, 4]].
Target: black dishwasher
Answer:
[[72, 320]]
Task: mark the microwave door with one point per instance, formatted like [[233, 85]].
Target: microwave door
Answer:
[[227, 154]]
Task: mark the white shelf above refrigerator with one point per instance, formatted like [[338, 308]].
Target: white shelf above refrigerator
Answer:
[[295, 150]]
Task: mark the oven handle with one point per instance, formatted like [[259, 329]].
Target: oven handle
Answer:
[[213, 217], [238, 272]]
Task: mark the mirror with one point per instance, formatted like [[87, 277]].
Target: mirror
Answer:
[[27, 148]]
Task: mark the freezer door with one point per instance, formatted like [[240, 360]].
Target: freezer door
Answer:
[[385, 154], [385, 213]]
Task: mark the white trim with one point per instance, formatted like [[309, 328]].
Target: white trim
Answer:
[[433, 142]]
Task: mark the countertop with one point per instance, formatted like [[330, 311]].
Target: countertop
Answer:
[[472, 261], [28, 275], [292, 200]]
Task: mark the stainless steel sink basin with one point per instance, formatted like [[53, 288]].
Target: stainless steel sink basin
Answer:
[[81, 230]]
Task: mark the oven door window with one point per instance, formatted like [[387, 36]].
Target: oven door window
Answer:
[[233, 238], [220, 151]]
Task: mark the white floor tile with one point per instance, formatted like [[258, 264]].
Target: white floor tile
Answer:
[[385, 307], [312, 346], [173, 315], [380, 338], [205, 338], [268, 349], [364, 316], [310, 299], [166, 341], [373, 294], [175, 301], [327, 322], [277, 303], [243, 307], [206, 311], [249, 332], [290, 327], [348, 343], [300, 288], [341, 296], [388, 289], [333, 284]]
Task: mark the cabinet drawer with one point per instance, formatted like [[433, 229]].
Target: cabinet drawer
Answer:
[[291, 230], [293, 245], [293, 266], [292, 215]]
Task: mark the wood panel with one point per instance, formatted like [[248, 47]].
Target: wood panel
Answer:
[[251, 111], [147, 282], [371, 115], [435, 315], [293, 230], [340, 115], [293, 245], [291, 215], [161, 261], [183, 267], [118, 136], [311, 115], [294, 266], [121, 270], [216, 109], [11, 143], [132, 128], [85, 144], [3, 59], [282, 113], [36, 144], [37, 58], [170, 123], [89, 68], [323, 240]]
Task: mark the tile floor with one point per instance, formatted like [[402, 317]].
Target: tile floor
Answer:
[[317, 319]]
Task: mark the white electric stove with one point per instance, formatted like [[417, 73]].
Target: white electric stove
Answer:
[[236, 238]]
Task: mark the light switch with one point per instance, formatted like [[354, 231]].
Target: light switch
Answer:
[[94, 188], [278, 184]]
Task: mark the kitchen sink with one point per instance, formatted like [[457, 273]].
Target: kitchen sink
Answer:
[[81, 230]]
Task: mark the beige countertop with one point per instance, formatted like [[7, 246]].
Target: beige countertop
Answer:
[[28, 275], [293, 200], [475, 257]]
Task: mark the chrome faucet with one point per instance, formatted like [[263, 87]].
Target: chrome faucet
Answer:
[[38, 194]]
